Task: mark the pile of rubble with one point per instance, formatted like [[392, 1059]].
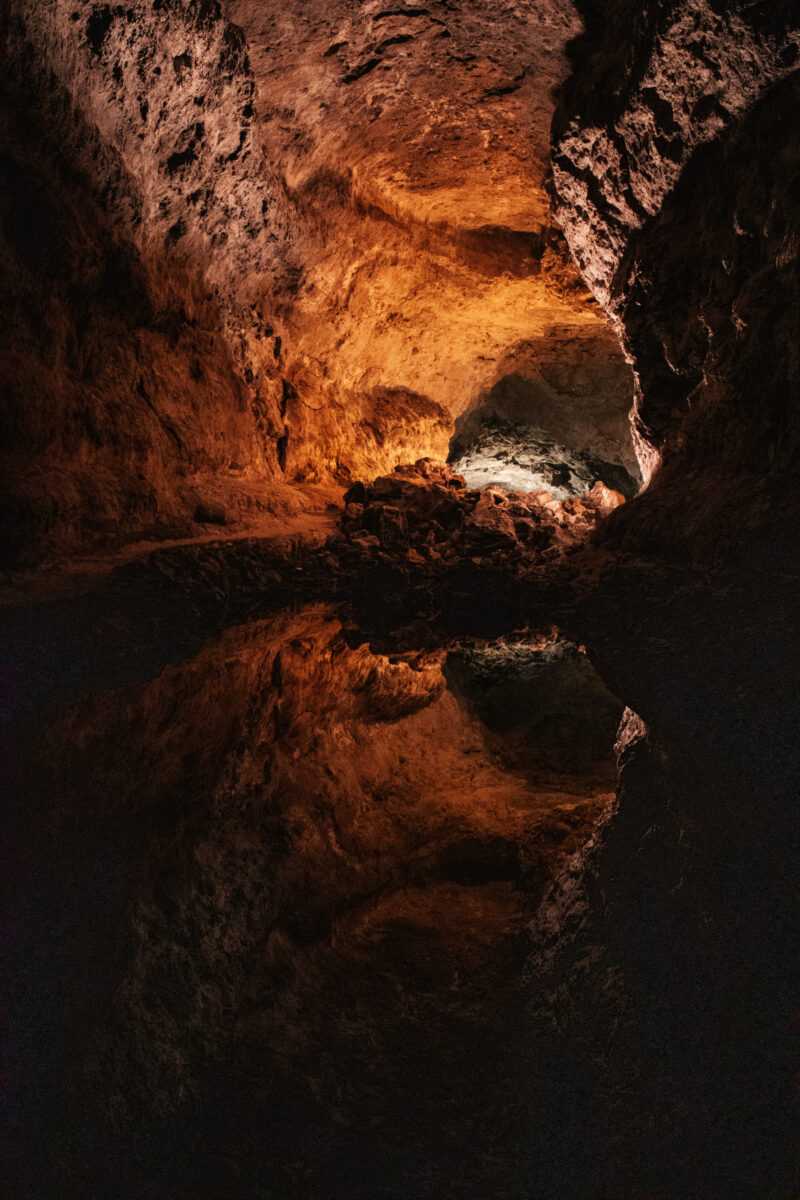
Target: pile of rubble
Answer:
[[425, 516]]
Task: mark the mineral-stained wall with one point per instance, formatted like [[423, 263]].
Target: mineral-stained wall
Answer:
[[251, 245]]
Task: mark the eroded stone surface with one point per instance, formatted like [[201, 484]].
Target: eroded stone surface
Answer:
[[244, 887], [293, 247], [676, 180]]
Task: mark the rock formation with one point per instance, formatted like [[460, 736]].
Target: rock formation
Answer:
[[676, 188], [283, 254]]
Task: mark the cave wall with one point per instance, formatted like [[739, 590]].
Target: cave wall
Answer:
[[719, 370], [663, 994], [645, 123], [126, 397], [675, 177], [270, 248]]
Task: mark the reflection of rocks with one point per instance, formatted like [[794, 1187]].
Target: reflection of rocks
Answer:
[[419, 559], [543, 701], [273, 887], [675, 175], [305, 916], [423, 558]]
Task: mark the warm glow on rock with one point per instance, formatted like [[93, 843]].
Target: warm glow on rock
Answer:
[[337, 243]]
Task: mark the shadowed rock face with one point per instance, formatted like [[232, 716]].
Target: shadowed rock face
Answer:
[[677, 190], [560, 387], [639, 138], [544, 702]]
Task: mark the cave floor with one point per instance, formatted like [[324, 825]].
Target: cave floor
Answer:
[[311, 514]]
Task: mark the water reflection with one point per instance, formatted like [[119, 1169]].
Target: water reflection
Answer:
[[278, 916]]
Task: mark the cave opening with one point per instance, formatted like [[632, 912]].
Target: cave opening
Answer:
[[559, 421]]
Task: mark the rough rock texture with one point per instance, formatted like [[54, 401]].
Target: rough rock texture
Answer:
[[425, 513], [502, 453], [572, 386], [124, 413], [685, 73], [251, 245], [646, 122], [675, 178], [419, 554], [418, 560]]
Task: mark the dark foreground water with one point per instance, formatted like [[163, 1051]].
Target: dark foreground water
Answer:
[[273, 911]]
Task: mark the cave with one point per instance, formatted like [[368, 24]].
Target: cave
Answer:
[[556, 419], [399, 653]]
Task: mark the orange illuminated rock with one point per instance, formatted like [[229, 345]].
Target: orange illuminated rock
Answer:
[[307, 240], [606, 498]]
